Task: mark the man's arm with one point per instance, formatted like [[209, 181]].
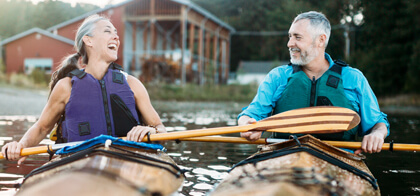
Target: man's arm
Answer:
[[249, 135], [373, 121], [372, 143]]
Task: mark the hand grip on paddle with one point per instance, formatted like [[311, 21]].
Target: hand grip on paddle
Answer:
[[311, 120], [321, 119], [338, 144]]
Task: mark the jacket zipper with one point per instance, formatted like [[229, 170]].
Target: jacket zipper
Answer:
[[106, 107], [313, 92]]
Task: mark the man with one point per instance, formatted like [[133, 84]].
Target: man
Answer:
[[314, 79]]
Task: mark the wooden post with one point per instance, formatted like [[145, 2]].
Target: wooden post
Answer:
[[227, 69], [133, 34], [201, 48], [184, 18], [221, 61], [207, 52], [145, 38], [215, 55], [200, 54], [154, 35], [191, 41], [152, 26]]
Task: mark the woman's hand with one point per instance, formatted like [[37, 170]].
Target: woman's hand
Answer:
[[11, 151], [137, 133]]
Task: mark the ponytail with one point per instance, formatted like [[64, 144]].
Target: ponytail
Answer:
[[69, 64]]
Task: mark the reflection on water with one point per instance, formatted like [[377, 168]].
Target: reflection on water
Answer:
[[207, 163]]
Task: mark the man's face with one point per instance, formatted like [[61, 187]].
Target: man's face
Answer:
[[301, 43]]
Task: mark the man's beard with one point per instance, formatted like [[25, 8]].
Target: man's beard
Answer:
[[305, 56]]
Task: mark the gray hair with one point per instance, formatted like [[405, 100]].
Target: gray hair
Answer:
[[86, 28], [319, 24], [70, 62]]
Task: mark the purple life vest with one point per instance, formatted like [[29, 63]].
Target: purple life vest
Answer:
[[98, 107]]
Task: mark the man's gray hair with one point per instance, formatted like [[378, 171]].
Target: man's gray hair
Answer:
[[319, 24]]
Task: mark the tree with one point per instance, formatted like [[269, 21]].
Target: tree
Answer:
[[386, 43], [413, 72], [19, 16], [275, 16]]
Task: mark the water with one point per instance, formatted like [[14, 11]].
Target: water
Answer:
[[398, 173]]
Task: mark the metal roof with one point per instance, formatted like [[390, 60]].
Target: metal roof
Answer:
[[183, 2], [83, 16], [40, 31], [205, 13]]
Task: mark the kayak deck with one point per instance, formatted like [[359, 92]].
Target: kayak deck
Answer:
[[306, 166], [106, 171]]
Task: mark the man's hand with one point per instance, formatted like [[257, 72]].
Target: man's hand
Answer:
[[249, 135], [372, 143]]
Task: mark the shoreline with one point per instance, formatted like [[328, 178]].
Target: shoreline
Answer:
[[25, 101], [401, 110]]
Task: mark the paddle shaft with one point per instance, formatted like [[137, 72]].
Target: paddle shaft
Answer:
[[305, 120], [153, 137], [338, 144], [42, 149], [31, 151]]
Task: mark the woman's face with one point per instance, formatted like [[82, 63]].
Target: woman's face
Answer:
[[105, 41]]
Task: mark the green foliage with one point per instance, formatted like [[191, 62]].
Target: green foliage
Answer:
[[40, 77], [413, 73], [3, 77], [20, 80], [386, 45], [37, 79], [413, 79], [193, 92], [276, 15], [19, 16]]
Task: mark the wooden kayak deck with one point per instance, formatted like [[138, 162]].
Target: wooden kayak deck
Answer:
[[112, 171], [289, 168]]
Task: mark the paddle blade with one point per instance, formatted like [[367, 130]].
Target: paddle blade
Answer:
[[320, 119]]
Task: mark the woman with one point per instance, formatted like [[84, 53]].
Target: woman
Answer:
[[101, 99]]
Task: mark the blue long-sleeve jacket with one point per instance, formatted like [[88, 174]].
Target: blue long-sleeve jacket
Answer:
[[356, 88]]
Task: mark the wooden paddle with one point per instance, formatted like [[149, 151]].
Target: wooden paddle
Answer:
[[323, 119], [339, 144]]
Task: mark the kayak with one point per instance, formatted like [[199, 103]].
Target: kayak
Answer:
[[300, 166], [106, 170]]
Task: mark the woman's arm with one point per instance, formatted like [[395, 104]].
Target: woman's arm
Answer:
[[49, 116], [149, 114]]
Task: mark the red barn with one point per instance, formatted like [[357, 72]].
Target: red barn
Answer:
[[171, 39], [35, 48]]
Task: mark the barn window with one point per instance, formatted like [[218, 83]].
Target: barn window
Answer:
[[44, 64]]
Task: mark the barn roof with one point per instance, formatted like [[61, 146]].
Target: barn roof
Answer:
[[83, 16], [204, 12], [36, 30], [183, 2]]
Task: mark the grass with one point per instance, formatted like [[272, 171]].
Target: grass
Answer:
[[400, 100], [189, 92], [193, 92]]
